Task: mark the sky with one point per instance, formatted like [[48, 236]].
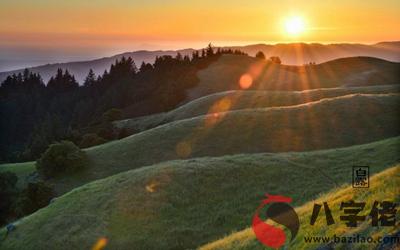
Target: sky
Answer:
[[35, 31]]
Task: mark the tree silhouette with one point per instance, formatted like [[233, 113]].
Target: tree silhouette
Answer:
[[90, 79], [144, 67], [209, 50], [260, 55], [275, 59], [39, 114]]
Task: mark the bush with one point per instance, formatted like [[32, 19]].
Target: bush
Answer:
[[37, 195], [275, 59], [123, 132], [91, 139], [112, 115], [60, 158], [8, 192], [260, 55], [106, 131]]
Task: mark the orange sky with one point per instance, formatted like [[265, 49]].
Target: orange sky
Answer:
[[40, 31]]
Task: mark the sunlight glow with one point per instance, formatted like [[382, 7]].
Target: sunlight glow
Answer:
[[245, 81], [151, 187], [183, 149], [100, 244], [294, 26]]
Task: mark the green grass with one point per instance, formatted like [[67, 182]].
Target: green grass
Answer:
[[329, 123], [385, 186], [184, 204], [250, 99], [225, 73], [21, 170]]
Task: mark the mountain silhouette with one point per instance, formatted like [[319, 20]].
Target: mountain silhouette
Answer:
[[291, 54]]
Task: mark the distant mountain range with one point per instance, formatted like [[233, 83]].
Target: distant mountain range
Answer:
[[291, 53]]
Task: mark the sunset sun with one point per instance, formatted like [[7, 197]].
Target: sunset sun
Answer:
[[294, 26]]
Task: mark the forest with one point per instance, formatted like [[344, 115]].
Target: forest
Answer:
[[35, 114]]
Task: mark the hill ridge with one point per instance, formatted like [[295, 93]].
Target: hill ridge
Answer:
[[386, 50], [130, 207], [254, 132]]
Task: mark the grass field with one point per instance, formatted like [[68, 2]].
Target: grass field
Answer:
[[193, 177], [329, 123], [21, 170], [385, 186], [250, 99], [185, 204], [225, 73]]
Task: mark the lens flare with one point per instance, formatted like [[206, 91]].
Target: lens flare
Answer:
[[245, 81], [151, 187], [100, 244], [183, 149]]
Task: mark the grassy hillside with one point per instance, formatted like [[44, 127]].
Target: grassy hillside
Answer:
[[301, 53], [329, 123], [389, 179], [237, 99], [225, 73], [188, 203], [21, 170]]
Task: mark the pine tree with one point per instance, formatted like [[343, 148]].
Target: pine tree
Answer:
[[209, 50], [90, 79]]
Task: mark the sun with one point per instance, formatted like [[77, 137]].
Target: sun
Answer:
[[294, 26]]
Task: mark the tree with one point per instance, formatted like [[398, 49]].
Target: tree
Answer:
[[91, 139], [62, 82], [112, 115], [203, 53], [61, 158], [35, 196], [195, 55], [260, 55], [179, 57], [38, 114], [275, 59], [209, 50], [8, 191], [125, 67], [90, 79], [144, 67]]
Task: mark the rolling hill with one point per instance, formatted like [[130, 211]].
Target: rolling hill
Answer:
[[191, 176], [21, 170], [225, 74], [303, 53], [389, 178], [249, 99], [328, 123], [188, 203], [254, 121], [292, 54]]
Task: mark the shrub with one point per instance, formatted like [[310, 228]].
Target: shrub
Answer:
[[275, 59], [106, 131], [260, 55], [112, 115], [60, 158], [37, 195], [8, 191], [123, 132], [91, 139]]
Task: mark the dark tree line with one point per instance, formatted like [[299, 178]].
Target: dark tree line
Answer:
[[35, 114]]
